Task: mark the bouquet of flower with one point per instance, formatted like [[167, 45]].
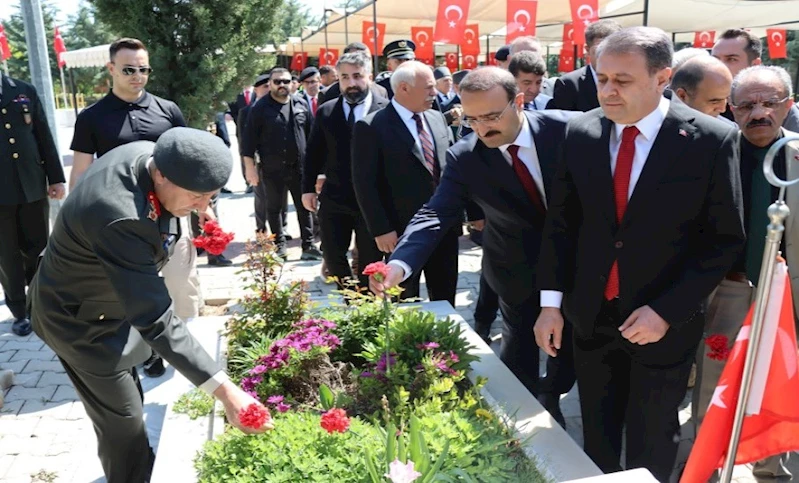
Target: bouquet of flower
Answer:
[[213, 239]]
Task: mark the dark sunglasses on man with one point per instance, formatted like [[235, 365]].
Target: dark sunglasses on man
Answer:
[[282, 82], [145, 70]]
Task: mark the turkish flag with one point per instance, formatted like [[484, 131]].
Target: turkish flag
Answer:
[[426, 61], [470, 61], [369, 33], [568, 35], [60, 48], [299, 61], [451, 21], [777, 48], [566, 60], [452, 61], [520, 19], [328, 56], [584, 13], [492, 58], [704, 39], [470, 45], [5, 51], [423, 38], [771, 421]]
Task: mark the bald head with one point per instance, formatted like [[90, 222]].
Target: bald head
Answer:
[[704, 83], [522, 44]]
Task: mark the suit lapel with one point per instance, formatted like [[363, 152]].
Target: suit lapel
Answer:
[[543, 149], [674, 136], [599, 166], [500, 168], [588, 88], [404, 136]]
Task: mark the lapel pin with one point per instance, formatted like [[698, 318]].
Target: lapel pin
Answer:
[[683, 133]]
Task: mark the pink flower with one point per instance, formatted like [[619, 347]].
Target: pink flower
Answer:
[[335, 421], [402, 473], [275, 399], [282, 407], [427, 346], [254, 416], [377, 270]]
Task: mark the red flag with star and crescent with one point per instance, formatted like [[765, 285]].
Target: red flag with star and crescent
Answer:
[[771, 423], [328, 56], [777, 48], [470, 61], [584, 13], [470, 45], [704, 39], [5, 51], [452, 61], [566, 60], [299, 60], [451, 21], [370, 31], [423, 38], [520, 19], [60, 48]]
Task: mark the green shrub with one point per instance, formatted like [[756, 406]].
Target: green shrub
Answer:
[[357, 324], [195, 404]]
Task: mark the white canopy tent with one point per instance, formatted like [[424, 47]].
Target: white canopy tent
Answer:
[[90, 57]]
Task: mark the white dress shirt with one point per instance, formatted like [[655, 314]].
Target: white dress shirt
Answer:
[[649, 127], [410, 123], [361, 109], [528, 155]]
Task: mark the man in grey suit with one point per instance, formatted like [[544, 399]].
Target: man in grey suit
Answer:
[[98, 301]]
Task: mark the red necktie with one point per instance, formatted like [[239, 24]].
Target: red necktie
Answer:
[[526, 178], [313, 105], [247, 97], [621, 185], [427, 148]]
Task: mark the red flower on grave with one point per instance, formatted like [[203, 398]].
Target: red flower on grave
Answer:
[[378, 270], [254, 416], [213, 239], [719, 347], [335, 421]]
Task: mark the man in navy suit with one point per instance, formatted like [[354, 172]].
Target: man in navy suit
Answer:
[[505, 167]]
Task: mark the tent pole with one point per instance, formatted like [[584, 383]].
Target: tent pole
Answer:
[[346, 28], [488, 49], [374, 34], [575, 56], [674, 38], [326, 47], [646, 13], [72, 88], [458, 53]]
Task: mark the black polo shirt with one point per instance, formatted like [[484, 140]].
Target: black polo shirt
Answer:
[[270, 133], [112, 122]]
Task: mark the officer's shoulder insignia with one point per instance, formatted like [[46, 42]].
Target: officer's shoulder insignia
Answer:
[[155, 206], [383, 76]]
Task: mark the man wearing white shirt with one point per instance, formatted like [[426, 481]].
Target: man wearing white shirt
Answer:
[[644, 221]]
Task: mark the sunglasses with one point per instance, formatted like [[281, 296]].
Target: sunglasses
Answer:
[[283, 82], [132, 70]]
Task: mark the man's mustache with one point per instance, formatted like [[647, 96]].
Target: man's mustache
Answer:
[[758, 122]]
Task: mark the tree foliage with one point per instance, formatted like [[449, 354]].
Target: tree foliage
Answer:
[[201, 51], [18, 65], [84, 30]]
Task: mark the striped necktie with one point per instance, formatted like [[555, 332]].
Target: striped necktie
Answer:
[[427, 148]]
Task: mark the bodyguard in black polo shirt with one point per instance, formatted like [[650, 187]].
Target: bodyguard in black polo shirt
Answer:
[[277, 128]]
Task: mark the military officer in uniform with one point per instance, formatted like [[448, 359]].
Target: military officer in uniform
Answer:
[[395, 53], [30, 171], [98, 300]]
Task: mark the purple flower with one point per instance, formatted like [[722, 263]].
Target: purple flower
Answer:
[[367, 374], [453, 357], [282, 407], [248, 383], [275, 399], [428, 345], [259, 369]]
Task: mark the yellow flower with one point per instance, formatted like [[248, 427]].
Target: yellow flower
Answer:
[[483, 413]]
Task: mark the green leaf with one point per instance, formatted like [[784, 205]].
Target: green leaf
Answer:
[[391, 443], [370, 466], [326, 397], [439, 463]]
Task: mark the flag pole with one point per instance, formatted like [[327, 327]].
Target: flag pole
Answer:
[[63, 88], [5, 68], [777, 213]]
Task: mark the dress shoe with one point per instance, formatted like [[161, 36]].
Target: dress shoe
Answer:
[[281, 252], [219, 261], [225, 191], [551, 403], [311, 253], [22, 327], [288, 237], [248, 190], [154, 366]]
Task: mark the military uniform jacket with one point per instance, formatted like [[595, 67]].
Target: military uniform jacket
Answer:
[[29, 160], [97, 299]]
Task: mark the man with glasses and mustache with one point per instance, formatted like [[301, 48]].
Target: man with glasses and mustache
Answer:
[[277, 129], [129, 113]]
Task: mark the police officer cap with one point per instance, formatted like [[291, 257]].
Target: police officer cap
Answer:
[[457, 77], [441, 72], [261, 80], [192, 159], [308, 72], [503, 53], [400, 49]]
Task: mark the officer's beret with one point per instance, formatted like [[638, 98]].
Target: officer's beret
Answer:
[[457, 77], [308, 72], [503, 53], [441, 72], [261, 80], [400, 49], [192, 159]]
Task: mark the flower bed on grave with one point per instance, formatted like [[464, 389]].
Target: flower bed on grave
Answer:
[[366, 392]]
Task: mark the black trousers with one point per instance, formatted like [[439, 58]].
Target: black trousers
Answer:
[[337, 222], [260, 208], [24, 230], [485, 311], [276, 185], [440, 271], [637, 387], [114, 403]]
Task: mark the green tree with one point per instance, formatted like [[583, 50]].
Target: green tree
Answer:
[[792, 62], [290, 18], [84, 30], [202, 51], [15, 31]]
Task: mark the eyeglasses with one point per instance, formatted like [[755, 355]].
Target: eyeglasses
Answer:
[[470, 123], [283, 82], [769, 104], [146, 70]]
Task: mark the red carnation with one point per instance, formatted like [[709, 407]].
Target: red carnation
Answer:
[[254, 416], [378, 269], [719, 347], [335, 420], [213, 239]]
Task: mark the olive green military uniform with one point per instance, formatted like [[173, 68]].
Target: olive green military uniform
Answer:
[[98, 301], [29, 162]]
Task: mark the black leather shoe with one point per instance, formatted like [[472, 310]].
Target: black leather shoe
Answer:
[[225, 191], [154, 366], [551, 403], [219, 261], [22, 327], [248, 190]]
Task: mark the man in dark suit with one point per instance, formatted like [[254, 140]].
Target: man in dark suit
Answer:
[[644, 222], [506, 168], [98, 301], [398, 156], [334, 90], [30, 172], [330, 153], [447, 100], [576, 91]]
